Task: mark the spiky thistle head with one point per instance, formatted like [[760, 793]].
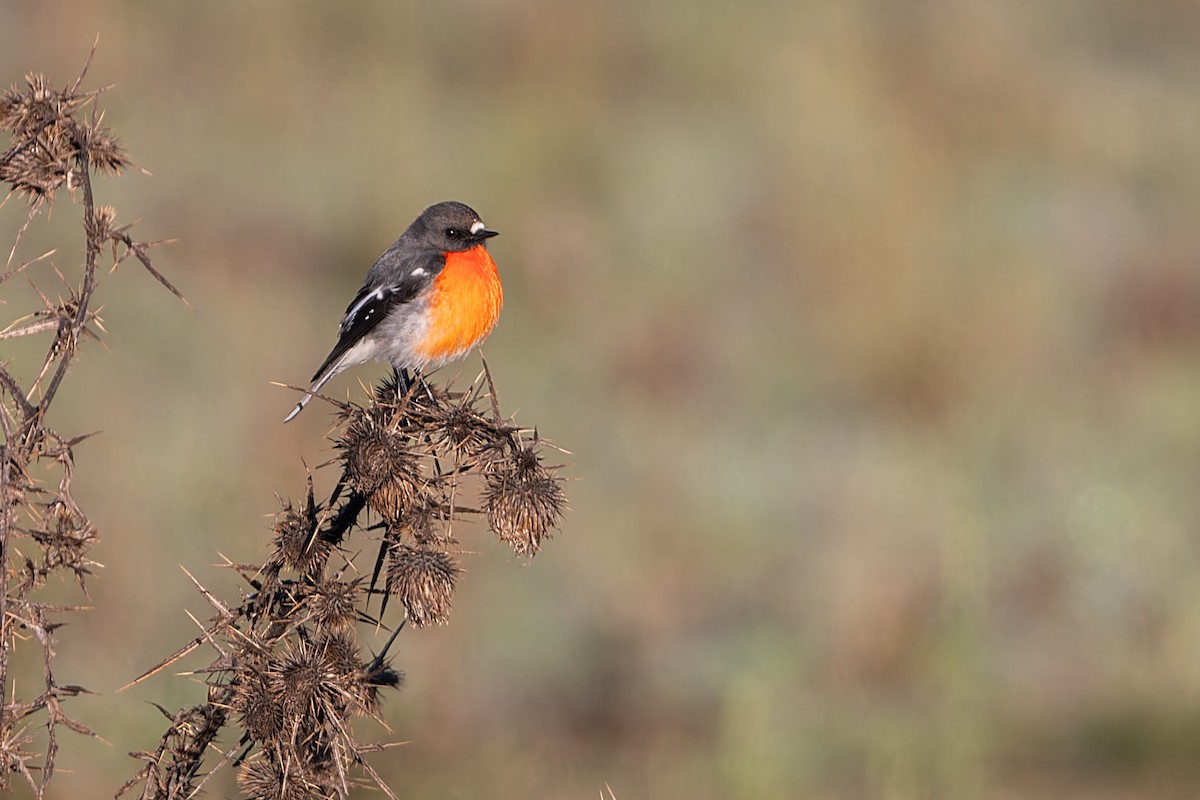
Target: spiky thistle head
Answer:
[[270, 777], [49, 140], [423, 579], [472, 438], [380, 463], [261, 717], [524, 501], [102, 147], [333, 604], [297, 543]]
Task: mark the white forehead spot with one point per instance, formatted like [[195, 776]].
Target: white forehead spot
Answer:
[[477, 226]]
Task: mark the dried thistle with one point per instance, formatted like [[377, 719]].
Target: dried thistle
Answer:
[[260, 716], [290, 669], [371, 454], [334, 604], [48, 139], [379, 463], [103, 149], [473, 440], [423, 580], [43, 531], [297, 545], [294, 680], [267, 779], [524, 502]]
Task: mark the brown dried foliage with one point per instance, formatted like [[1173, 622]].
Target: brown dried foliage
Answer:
[[290, 671], [56, 139]]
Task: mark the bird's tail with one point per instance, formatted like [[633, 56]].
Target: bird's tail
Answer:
[[318, 382], [299, 407]]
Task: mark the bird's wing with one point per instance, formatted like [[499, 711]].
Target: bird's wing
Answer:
[[392, 281]]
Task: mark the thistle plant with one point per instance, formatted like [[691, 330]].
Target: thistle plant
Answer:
[[56, 141], [290, 671]]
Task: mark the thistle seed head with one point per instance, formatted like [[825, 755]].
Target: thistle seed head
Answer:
[[296, 542], [423, 579], [523, 500], [332, 603]]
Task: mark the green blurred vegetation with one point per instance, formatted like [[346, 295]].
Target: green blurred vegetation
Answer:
[[873, 329]]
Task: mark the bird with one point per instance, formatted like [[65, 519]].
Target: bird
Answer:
[[428, 300]]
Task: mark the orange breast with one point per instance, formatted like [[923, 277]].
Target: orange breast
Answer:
[[464, 305]]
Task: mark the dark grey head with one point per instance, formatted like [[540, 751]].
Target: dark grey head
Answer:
[[448, 227]]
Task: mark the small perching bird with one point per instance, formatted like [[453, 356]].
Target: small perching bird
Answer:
[[431, 297]]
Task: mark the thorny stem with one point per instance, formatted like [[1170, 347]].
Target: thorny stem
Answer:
[[89, 282], [27, 408], [32, 416]]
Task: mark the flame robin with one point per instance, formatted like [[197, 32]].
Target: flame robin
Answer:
[[430, 298]]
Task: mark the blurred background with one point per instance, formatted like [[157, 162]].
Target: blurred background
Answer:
[[873, 330]]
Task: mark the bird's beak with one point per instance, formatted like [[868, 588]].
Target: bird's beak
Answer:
[[486, 234]]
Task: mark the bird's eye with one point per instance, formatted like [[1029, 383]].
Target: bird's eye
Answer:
[[453, 233]]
